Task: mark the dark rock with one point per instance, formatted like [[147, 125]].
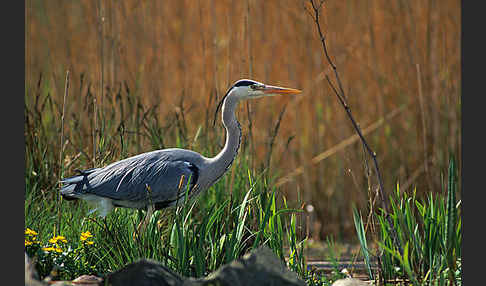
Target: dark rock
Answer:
[[259, 267], [145, 272]]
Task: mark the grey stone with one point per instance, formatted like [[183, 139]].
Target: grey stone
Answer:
[[350, 282], [31, 277], [88, 280], [259, 267], [145, 272]]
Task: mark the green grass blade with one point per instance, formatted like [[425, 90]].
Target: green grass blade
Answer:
[[358, 223]]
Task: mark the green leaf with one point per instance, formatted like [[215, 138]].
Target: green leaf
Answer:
[[358, 223]]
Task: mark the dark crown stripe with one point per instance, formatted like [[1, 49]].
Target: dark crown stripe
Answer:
[[244, 83]]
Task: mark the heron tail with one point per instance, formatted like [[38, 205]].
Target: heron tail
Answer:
[[73, 186]]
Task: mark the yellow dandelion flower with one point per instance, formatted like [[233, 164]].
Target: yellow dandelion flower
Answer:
[[85, 235], [30, 232], [56, 239], [28, 242], [51, 249], [89, 242]]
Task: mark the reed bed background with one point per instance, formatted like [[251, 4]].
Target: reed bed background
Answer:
[[146, 75]]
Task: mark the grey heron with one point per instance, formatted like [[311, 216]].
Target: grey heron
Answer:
[[154, 180]]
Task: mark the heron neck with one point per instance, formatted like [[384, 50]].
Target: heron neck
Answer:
[[223, 160]]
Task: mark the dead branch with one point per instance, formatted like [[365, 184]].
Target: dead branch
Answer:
[[342, 99]]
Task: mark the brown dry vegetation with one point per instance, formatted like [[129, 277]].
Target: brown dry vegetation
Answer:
[[399, 62]]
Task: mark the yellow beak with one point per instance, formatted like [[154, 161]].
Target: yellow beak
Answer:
[[270, 89]]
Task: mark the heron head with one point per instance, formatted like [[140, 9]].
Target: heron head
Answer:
[[247, 88]]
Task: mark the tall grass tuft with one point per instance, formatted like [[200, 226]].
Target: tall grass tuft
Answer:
[[430, 232]]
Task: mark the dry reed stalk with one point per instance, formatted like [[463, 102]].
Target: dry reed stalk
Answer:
[[273, 135], [434, 82], [247, 38], [415, 175], [101, 20], [340, 146], [424, 126], [74, 159], [94, 130], [61, 149]]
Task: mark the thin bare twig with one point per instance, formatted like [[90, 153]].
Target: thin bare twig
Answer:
[[342, 99]]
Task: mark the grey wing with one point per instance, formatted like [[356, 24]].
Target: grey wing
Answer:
[[141, 179]]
